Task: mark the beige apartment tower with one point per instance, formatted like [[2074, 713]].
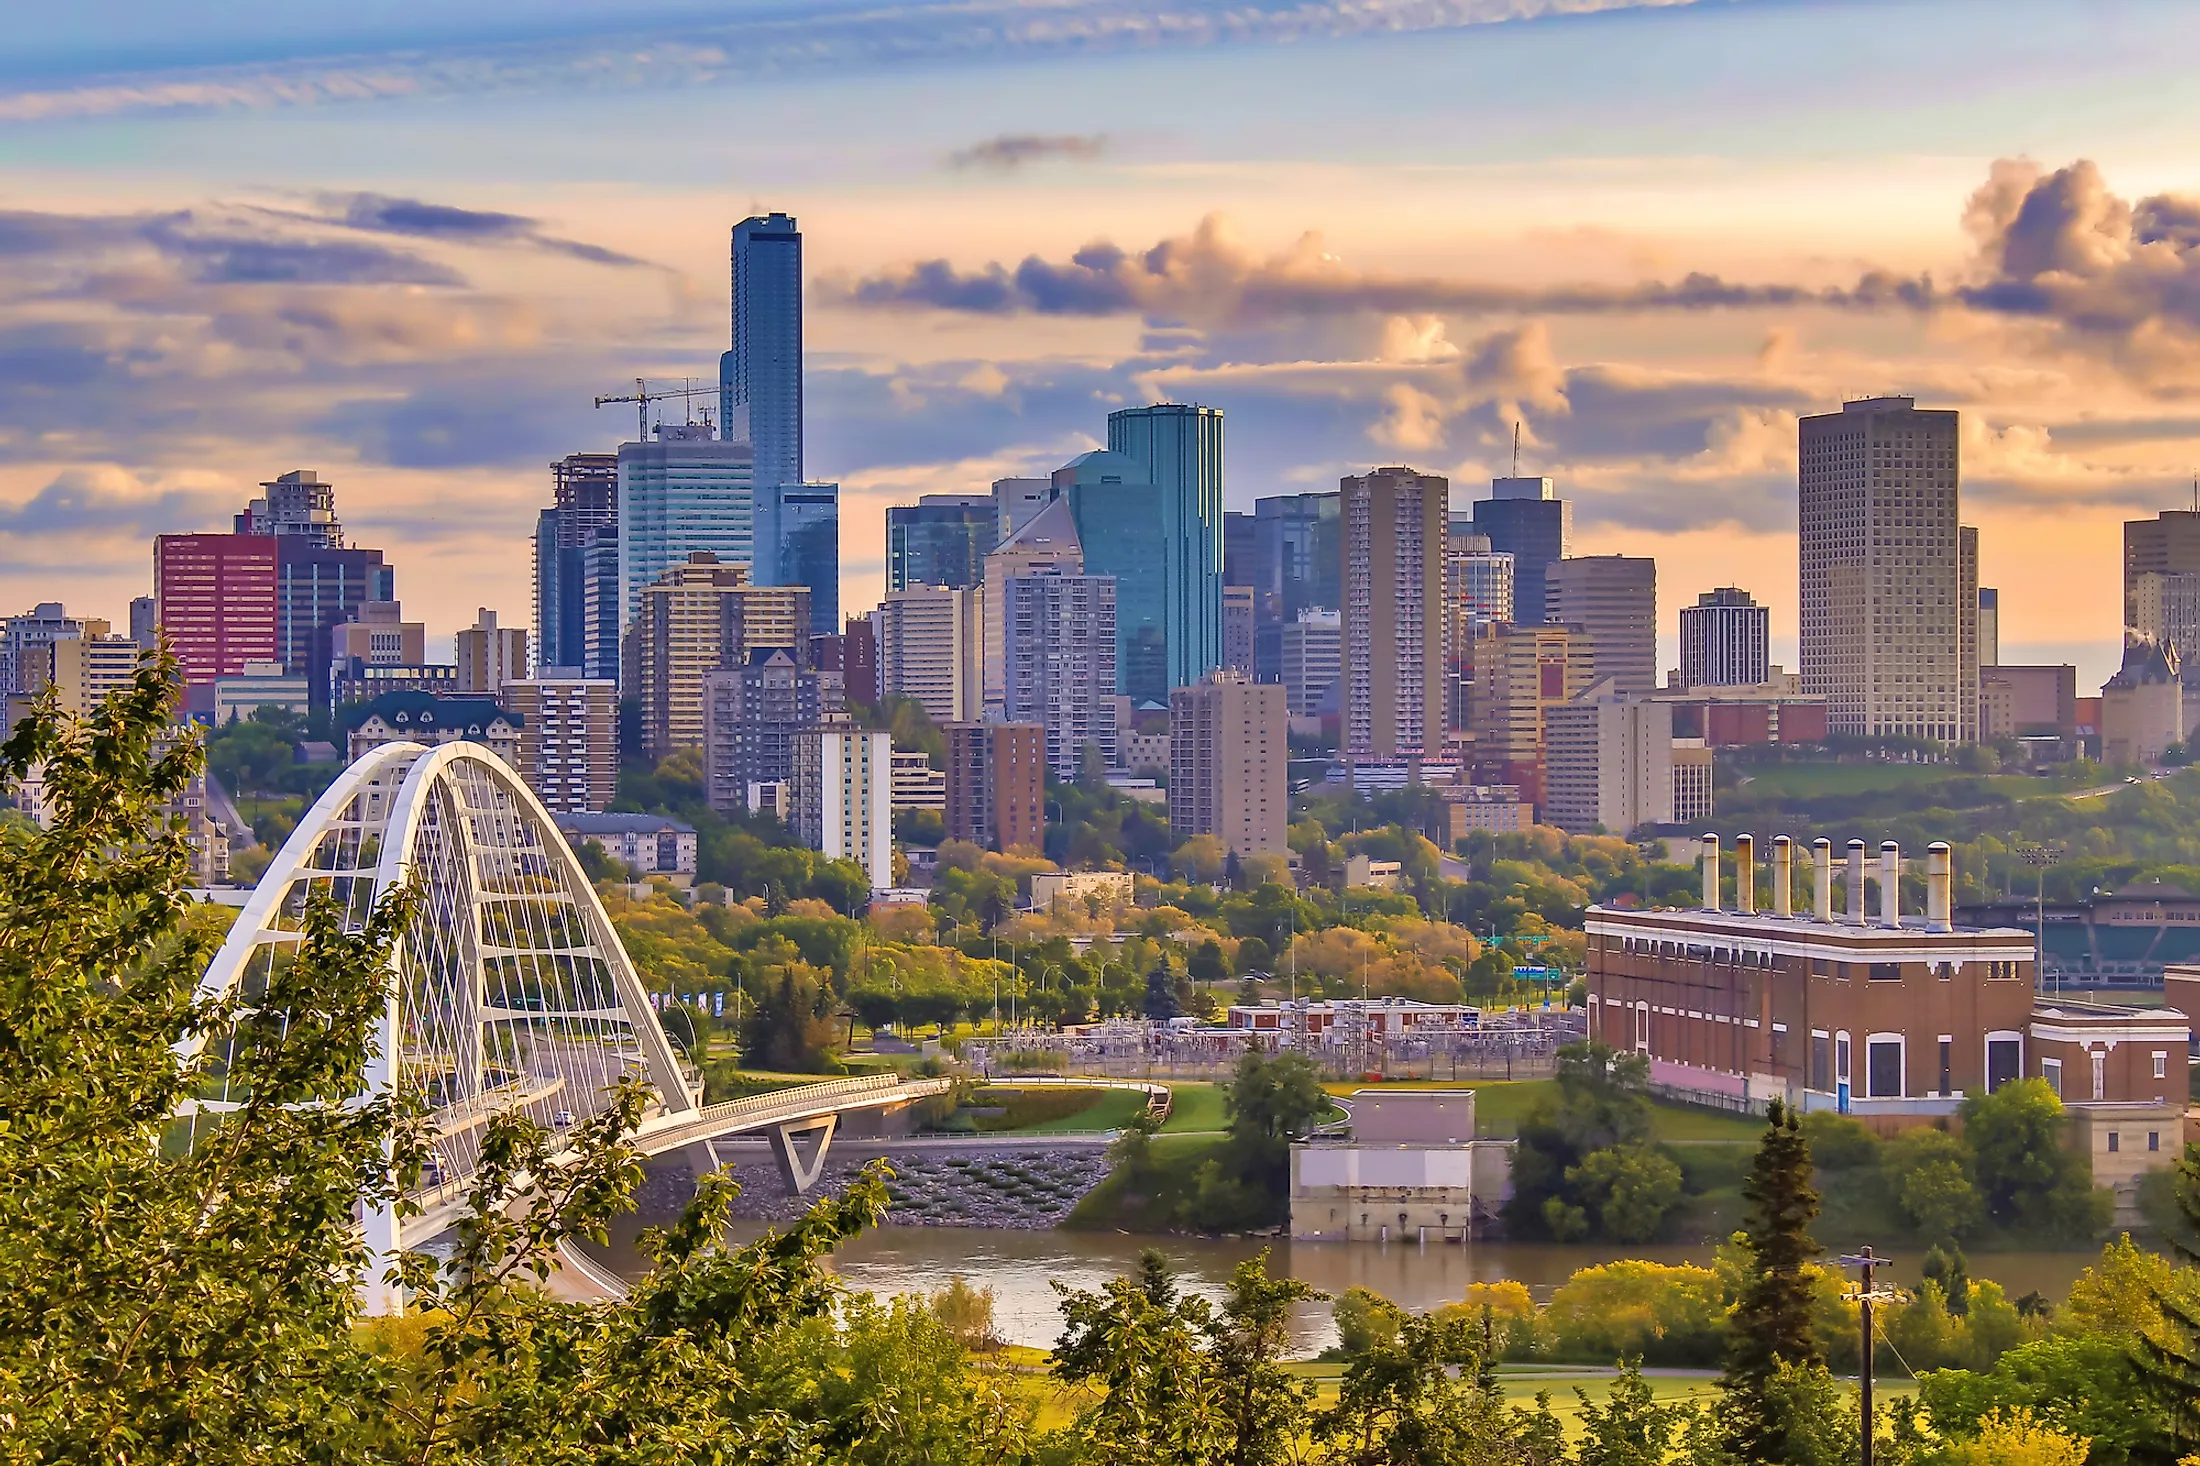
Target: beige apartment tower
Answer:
[[698, 616], [568, 738], [489, 655], [1228, 752], [1393, 529], [930, 645], [1889, 574]]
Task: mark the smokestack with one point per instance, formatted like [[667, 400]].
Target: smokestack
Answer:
[[1939, 886], [1783, 876], [1890, 884], [1821, 862], [1711, 872], [1745, 873], [1856, 883]]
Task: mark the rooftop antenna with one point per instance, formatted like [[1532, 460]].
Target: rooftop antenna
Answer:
[[1516, 453]]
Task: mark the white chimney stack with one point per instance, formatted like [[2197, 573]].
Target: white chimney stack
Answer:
[[1890, 884], [1856, 883], [1745, 873], [1783, 876], [1939, 887], [1821, 861], [1711, 872]]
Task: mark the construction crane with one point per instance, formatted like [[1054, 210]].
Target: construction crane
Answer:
[[641, 397]]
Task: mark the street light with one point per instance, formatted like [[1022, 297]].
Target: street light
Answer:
[[2040, 857]]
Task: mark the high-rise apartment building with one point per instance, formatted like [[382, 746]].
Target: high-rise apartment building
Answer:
[[568, 738], [1312, 657], [697, 616], [1393, 580], [1726, 640], [683, 493], [942, 539], [2165, 607], [2167, 544], [24, 663], [1238, 615], [751, 715], [760, 379], [144, 620], [917, 785], [931, 648], [217, 598], [584, 499], [1228, 750], [1989, 627], [82, 670], [798, 544], [1608, 762], [842, 797], [1179, 447], [1520, 674], [1525, 518], [1889, 632], [297, 505], [1059, 664], [996, 778], [489, 655], [1048, 541], [854, 655], [1614, 598], [1015, 500]]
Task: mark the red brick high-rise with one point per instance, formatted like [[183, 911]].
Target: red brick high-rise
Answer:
[[996, 781], [217, 596]]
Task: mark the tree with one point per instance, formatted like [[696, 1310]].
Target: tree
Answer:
[[1207, 963], [2028, 1175], [1771, 1329], [1201, 858], [1272, 1101], [1629, 1189], [1253, 955], [790, 1028], [1365, 1320], [1161, 1004], [1264, 1406], [1598, 1103], [2016, 1439]]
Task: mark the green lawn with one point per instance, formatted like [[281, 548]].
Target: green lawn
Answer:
[[1194, 1107], [1113, 1206], [1114, 1109], [1810, 781]]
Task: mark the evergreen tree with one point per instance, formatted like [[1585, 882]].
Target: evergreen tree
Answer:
[[1161, 1004], [1771, 1327]]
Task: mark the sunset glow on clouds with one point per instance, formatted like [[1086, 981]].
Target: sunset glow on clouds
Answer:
[[408, 254]]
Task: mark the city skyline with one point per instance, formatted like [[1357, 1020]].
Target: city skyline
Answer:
[[440, 277]]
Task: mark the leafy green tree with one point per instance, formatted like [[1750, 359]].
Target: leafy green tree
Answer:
[[1137, 1342], [1632, 1428], [790, 1028], [1365, 1320], [1628, 1189], [2029, 1176], [1264, 1406], [1206, 963], [1272, 1101], [1771, 1346], [1599, 1102]]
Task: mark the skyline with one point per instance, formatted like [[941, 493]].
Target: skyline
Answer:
[[417, 294]]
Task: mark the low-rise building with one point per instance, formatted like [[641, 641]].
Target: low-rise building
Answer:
[[653, 844], [260, 685], [1330, 1020], [1497, 808], [354, 680], [1408, 1169], [1694, 781], [1110, 887], [419, 717], [1363, 873]]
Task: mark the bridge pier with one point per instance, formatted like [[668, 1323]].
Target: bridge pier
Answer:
[[702, 1158], [800, 1171]]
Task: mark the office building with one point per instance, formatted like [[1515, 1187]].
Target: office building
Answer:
[[2165, 607], [942, 539], [568, 738], [917, 785], [798, 544], [1179, 448], [25, 640], [930, 645], [760, 379], [751, 714], [683, 493], [317, 589], [420, 717], [489, 655], [378, 635], [1989, 627], [697, 616], [217, 598], [1059, 664], [260, 685], [1015, 500], [82, 670], [584, 491], [1297, 545], [1238, 615], [854, 655], [1726, 640], [842, 798], [2167, 544], [1525, 518], [996, 781], [1695, 781], [1889, 631], [145, 621], [1608, 762], [1614, 598], [2143, 705], [355, 681], [603, 608], [1520, 673], [296, 506], [1048, 541], [1312, 656], [1242, 561], [1391, 701], [2032, 702], [1228, 748]]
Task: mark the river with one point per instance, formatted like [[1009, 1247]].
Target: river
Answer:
[[1021, 1268]]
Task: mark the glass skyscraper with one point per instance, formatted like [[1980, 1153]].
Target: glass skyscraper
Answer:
[[1120, 524], [798, 543], [942, 539], [1525, 520], [685, 492], [585, 489], [760, 380], [1179, 448]]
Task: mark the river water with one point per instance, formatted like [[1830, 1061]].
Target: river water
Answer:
[[1021, 1268]]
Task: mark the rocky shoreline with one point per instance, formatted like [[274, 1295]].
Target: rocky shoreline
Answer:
[[953, 1186]]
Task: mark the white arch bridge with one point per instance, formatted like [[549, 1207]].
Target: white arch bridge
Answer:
[[509, 988]]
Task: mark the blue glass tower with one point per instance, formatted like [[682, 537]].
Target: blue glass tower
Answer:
[[1526, 520], [798, 543], [1179, 448], [1119, 516], [760, 380], [942, 539]]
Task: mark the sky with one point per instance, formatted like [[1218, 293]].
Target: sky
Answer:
[[406, 244]]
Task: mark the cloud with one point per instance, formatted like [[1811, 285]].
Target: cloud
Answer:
[[381, 214], [614, 52], [108, 501], [1012, 150]]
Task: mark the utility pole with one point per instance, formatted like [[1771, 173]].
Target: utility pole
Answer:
[[1866, 1296]]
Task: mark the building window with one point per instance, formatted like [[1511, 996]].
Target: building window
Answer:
[[1886, 972], [2114, 1142], [2100, 1075], [1841, 1058], [2161, 1065], [1883, 1067], [2004, 1059], [2154, 1140], [1947, 1064], [1821, 1062], [2051, 1071]]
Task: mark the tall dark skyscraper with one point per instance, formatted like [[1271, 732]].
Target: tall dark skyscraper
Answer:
[[942, 539], [1525, 520], [760, 380], [584, 498]]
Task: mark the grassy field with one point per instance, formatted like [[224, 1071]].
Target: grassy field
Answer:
[[1813, 781], [1111, 1110], [1194, 1108]]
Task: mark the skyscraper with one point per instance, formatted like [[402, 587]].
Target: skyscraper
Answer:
[[2167, 544], [1180, 447], [584, 491], [798, 543], [931, 647], [697, 616], [1059, 663], [1525, 519], [1116, 516], [1886, 637], [1478, 589], [1608, 762], [760, 380], [1614, 598], [942, 539], [568, 738], [1726, 640], [489, 655], [1049, 539], [1393, 579], [685, 492], [1293, 567], [996, 778], [318, 587], [297, 504], [1014, 501], [1227, 756], [1238, 603], [1521, 673], [216, 594], [751, 714]]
